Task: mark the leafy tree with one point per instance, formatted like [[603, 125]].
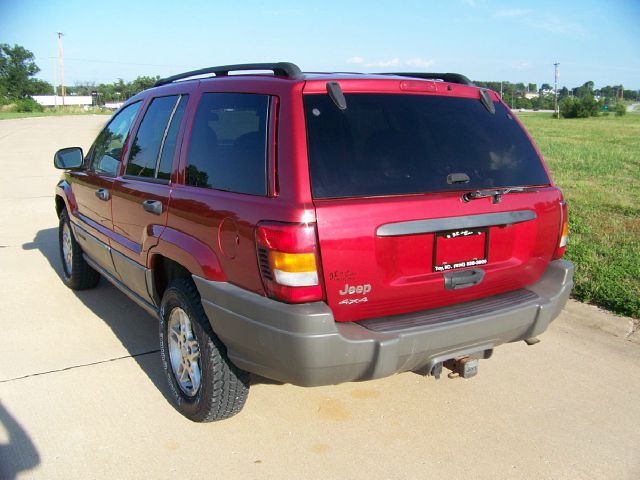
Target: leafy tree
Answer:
[[563, 92], [39, 87], [574, 107], [545, 87], [620, 109], [569, 107], [584, 91], [142, 83], [17, 66], [523, 102], [533, 88]]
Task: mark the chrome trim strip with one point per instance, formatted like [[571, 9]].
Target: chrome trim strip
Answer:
[[414, 227]]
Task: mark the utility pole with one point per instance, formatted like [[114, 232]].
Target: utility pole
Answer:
[[55, 82], [555, 90], [60, 59]]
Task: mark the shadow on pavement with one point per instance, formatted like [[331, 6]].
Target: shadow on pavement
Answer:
[[20, 453], [133, 326]]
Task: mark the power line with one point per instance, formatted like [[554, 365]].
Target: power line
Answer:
[[114, 62]]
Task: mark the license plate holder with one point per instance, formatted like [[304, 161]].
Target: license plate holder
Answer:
[[462, 248]]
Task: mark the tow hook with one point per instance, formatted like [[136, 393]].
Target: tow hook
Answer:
[[465, 367]]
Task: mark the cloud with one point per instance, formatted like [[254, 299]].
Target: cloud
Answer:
[[355, 59], [471, 3], [522, 66], [419, 62], [394, 62], [515, 12]]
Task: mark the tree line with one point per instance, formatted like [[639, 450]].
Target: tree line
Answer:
[[515, 94], [18, 67]]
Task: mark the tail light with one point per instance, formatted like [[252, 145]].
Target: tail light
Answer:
[[564, 232], [289, 262]]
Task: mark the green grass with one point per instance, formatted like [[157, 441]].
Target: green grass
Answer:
[[50, 112], [596, 163]]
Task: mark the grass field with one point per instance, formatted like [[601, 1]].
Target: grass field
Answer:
[[49, 112], [596, 162]]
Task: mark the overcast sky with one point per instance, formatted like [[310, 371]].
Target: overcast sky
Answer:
[[483, 39]]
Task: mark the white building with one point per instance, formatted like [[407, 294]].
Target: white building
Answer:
[[53, 100]]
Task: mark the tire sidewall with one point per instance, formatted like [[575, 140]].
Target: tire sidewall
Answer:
[[191, 407], [67, 277]]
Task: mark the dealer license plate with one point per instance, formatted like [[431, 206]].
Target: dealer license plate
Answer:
[[463, 248]]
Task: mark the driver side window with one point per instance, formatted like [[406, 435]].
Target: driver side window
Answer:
[[106, 152]]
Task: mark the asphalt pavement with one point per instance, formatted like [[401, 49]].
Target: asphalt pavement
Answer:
[[82, 393]]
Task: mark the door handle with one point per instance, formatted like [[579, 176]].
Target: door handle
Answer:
[[103, 194], [152, 206]]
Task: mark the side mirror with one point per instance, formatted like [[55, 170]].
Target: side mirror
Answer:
[[68, 158]]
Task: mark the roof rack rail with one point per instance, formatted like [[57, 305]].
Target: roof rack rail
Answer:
[[284, 69], [447, 77]]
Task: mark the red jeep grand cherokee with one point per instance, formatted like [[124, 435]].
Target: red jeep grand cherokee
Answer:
[[316, 228]]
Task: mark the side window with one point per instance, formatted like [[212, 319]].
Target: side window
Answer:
[[227, 149], [156, 135], [106, 151], [169, 147]]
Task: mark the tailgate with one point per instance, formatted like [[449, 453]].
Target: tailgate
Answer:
[[389, 256]]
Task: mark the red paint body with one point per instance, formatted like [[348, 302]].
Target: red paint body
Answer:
[[213, 233]]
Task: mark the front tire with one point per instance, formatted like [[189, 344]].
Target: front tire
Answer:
[[77, 274], [205, 384]]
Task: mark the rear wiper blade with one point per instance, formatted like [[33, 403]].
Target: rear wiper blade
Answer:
[[495, 194]]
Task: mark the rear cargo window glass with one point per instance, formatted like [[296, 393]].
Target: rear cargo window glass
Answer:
[[227, 148], [385, 144]]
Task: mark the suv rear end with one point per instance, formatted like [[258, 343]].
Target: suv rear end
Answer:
[[428, 231]]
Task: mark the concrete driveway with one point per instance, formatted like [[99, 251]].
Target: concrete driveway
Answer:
[[82, 394]]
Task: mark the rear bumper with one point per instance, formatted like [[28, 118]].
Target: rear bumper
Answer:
[[303, 345]]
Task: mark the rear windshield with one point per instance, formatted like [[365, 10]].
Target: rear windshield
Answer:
[[386, 144]]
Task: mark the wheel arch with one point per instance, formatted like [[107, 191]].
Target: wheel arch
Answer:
[[64, 198], [164, 271]]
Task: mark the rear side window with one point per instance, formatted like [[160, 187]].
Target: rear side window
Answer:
[[169, 147], [152, 150], [385, 144], [227, 148]]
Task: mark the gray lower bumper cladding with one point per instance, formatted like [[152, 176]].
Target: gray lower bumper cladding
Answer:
[[303, 345]]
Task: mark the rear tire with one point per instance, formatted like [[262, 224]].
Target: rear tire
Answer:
[[77, 274], [205, 384]]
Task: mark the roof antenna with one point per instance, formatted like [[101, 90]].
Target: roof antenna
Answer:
[[335, 93], [486, 101]]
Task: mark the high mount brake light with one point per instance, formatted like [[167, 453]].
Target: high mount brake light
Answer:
[[288, 258], [564, 232]]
